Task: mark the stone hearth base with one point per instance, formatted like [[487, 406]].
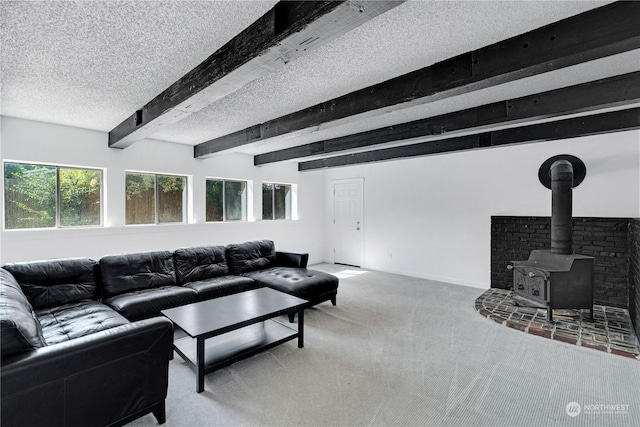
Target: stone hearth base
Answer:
[[611, 330]]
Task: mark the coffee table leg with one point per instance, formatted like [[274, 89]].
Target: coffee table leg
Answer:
[[200, 365], [301, 328]]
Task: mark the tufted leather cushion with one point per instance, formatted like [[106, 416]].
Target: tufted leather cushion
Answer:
[[19, 328], [136, 271], [200, 263], [222, 286], [251, 256], [57, 281], [75, 320], [299, 282], [146, 303]]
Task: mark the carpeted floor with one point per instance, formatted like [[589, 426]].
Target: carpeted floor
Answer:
[[403, 351]]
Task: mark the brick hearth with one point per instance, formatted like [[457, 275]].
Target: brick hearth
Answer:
[[610, 331]]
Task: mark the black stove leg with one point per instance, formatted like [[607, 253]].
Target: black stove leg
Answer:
[[549, 315]]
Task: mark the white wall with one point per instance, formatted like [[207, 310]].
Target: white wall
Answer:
[[430, 217], [425, 217], [29, 141]]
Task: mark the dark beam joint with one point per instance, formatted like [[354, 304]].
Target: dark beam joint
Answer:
[[290, 16], [601, 32]]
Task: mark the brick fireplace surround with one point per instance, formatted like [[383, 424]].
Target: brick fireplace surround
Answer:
[[610, 330], [614, 242]]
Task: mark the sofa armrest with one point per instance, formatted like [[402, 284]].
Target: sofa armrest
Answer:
[[291, 259], [100, 379]]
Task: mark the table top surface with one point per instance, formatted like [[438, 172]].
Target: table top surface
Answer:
[[232, 311]]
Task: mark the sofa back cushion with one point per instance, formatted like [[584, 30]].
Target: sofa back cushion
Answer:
[[20, 330], [251, 256], [131, 272], [56, 282], [200, 263]]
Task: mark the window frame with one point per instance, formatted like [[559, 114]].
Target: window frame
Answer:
[[156, 207], [245, 204], [290, 199], [58, 203]]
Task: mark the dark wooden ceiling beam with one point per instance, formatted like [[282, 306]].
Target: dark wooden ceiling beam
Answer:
[[605, 93], [615, 121], [594, 34], [289, 30]]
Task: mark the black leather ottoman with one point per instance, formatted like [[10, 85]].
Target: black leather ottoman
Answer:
[[314, 286]]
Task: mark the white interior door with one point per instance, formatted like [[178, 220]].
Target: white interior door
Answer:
[[348, 226]]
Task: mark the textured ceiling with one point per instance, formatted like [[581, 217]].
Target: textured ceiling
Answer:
[[91, 64]]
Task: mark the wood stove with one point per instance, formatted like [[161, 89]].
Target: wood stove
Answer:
[[551, 281], [557, 278]]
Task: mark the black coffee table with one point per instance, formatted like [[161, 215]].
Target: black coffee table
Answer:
[[235, 327]]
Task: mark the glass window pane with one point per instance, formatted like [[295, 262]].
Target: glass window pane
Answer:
[[171, 198], [140, 204], [267, 201], [235, 196], [79, 197], [214, 200], [281, 201], [30, 195]]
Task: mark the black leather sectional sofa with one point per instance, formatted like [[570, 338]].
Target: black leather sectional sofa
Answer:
[[70, 360], [83, 342]]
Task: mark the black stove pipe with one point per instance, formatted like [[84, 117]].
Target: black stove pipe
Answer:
[[561, 205]]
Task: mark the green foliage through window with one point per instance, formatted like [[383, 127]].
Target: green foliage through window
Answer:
[[44, 196], [226, 200], [153, 199], [79, 196]]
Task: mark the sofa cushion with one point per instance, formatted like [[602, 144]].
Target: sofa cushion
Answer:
[[222, 286], [251, 256], [146, 303], [19, 327], [200, 263], [57, 281], [78, 319], [299, 282], [136, 271]]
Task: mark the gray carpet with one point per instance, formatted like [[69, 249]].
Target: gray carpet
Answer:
[[402, 351]]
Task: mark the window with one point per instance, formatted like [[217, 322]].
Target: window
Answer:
[[276, 201], [155, 199], [45, 196], [226, 200]]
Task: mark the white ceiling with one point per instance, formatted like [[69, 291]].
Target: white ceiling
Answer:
[[91, 64]]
